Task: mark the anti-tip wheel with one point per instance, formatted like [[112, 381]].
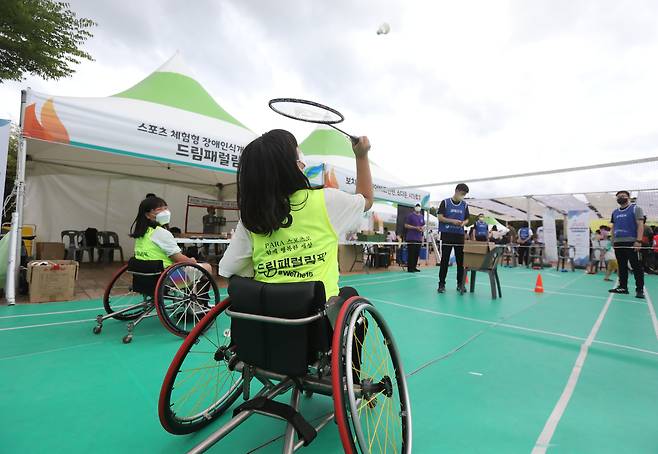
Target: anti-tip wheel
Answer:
[[97, 329], [127, 338]]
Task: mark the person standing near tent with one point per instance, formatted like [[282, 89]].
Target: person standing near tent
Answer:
[[413, 235], [525, 240], [453, 216], [288, 230], [154, 242], [628, 228], [481, 229]]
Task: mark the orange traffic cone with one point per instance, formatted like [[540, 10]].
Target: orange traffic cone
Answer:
[[539, 285], [466, 279]]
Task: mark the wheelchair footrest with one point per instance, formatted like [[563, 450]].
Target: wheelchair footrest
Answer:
[[264, 405]]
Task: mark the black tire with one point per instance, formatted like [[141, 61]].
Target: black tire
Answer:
[[184, 294], [119, 294]]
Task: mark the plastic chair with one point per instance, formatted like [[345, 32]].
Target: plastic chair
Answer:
[[71, 240], [108, 242], [564, 254], [88, 241]]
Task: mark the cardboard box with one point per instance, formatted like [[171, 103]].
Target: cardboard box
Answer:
[[52, 280], [50, 251], [475, 253]]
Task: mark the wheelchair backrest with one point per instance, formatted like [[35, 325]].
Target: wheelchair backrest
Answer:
[[284, 349], [145, 274]]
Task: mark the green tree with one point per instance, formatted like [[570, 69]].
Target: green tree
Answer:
[[40, 37]]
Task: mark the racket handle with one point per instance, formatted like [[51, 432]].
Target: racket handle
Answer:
[[354, 139]]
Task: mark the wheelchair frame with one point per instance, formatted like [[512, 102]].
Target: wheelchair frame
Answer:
[[149, 303], [320, 379]]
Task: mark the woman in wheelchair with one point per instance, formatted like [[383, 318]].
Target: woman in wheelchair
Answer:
[[289, 231], [272, 334], [154, 242]]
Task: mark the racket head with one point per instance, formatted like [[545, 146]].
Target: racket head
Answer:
[[304, 110]]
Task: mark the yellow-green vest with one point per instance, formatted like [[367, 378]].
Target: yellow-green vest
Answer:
[[305, 251], [146, 249]]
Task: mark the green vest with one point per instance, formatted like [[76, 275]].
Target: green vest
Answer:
[[305, 251], [145, 249]]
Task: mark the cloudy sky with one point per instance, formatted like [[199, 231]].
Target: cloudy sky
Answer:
[[456, 90]]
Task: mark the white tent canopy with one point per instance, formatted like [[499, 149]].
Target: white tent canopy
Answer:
[[91, 160]]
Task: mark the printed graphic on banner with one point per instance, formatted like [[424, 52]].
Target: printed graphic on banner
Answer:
[[219, 204], [578, 237], [136, 128]]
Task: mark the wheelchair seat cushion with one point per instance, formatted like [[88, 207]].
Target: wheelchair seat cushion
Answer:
[[145, 274], [284, 349]]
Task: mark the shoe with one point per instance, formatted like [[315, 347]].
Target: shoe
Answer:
[[461, 289], [607, 280], [620, 290], [416, 270], [441, 289], [639, 294]]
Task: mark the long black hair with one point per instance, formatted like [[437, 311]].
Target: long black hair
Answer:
[[141, 222], [268, 175]]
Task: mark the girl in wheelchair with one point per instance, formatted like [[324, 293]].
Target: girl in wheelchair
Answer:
[[154, 242], [289, 231]]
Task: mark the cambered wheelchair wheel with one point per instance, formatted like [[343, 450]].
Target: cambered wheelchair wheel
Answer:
[[371, 401], [119, 294], [199, 386], [184, 294]]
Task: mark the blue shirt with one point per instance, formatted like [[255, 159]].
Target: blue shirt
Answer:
[[624, 221], [452, 210]]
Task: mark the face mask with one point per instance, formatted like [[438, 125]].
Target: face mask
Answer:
[[622, 200], [417, 209], [163, 217]]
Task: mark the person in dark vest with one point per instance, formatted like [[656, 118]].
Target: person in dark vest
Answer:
[[627, 229], [414, 225], [481, 229], [453, 216], [525, 240]]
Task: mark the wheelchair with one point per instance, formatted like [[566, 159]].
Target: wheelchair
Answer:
[[267, 339], [179, 296]]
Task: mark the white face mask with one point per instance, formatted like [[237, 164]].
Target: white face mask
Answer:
[[417, 209], [163, 217]]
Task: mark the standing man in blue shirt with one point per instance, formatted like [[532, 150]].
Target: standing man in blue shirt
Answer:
[[414, 224], [453, 216], [481, 229], [628, 228], [525, 240]]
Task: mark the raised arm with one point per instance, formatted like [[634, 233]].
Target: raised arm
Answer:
[[363, 175]]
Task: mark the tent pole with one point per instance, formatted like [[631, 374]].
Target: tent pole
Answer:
[[14, 265], [528, 208]]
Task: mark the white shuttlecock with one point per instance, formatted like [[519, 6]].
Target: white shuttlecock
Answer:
[[384, 29]]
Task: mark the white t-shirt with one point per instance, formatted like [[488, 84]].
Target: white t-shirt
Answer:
[[165, 240], [345, 212]]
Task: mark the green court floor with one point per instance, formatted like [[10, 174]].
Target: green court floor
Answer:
[[485, 376]]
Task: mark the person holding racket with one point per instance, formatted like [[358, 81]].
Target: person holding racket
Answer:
[[289, 231]]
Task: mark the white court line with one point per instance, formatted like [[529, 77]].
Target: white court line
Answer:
[[516, 327], [652, 312], [59, 312], [544, 439], [48, 351], [13, 328]]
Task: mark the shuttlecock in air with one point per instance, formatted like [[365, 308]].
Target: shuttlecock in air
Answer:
[[384, 29]]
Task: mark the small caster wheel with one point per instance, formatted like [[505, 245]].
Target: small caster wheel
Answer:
[[127, 338], [97, 329]]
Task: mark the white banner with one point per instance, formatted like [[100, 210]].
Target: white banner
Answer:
[[579, 235], [345, 180], [5, 127], [550, 235], [132, 127]]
